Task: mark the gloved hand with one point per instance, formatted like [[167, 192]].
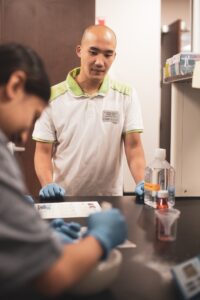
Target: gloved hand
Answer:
[[108, 227], [139, 189], [68, 232], [51, 190], [65, 239], [29, 199]]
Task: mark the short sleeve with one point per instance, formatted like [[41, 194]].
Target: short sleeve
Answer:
[[44, 129], [133, 116]]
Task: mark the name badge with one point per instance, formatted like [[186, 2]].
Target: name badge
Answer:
[[110, 116]]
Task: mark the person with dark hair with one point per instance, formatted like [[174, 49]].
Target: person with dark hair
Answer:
[[91, 118], [38, 259], [16, 57]]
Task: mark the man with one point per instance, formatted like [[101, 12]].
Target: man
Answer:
[[89, 118], [34, 259]]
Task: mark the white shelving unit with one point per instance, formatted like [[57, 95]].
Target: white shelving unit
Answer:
[[185, 137]]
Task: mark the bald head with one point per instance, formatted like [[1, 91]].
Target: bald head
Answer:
[[99, 32], [96, 53]]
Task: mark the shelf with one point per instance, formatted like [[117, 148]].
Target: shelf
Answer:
[[181, 78]]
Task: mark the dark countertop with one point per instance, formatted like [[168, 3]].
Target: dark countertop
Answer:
[[145, 273]]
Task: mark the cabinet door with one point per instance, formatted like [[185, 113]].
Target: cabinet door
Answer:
[[53, 28], [185, 138]]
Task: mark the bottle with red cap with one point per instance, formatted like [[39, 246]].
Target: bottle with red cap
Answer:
[[162, 199]]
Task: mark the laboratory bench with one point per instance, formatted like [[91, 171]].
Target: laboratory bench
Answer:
[[145, 271]]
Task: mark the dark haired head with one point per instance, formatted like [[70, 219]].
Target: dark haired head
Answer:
[[15, 57]]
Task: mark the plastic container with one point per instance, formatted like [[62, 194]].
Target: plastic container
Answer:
[[167, 224], [159, 175]]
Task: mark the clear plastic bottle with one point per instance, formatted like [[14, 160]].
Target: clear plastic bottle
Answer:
[[159, 175]]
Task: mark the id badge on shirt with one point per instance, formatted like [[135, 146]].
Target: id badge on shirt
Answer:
[[110, 116]]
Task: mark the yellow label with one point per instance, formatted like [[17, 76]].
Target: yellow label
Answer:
[[151, 186]]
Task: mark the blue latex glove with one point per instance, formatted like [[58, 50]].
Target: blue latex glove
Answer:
[[70, 230], [29, 199], [139, 189], [51, 190], [108, 227], [65, 239]]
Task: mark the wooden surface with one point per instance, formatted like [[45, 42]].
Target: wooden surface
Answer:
[[53, 28]]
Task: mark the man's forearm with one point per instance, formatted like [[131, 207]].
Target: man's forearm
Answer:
[[135, 156], [43, 166], [44, 174], [137, 167]]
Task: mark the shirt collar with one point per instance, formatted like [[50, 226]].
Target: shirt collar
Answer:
[[76, 89]]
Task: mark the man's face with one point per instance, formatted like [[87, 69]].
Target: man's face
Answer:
[[97, 54], [19, 118], [18, 109]]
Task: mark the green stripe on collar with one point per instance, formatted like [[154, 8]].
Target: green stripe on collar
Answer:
[[105, 86], [58, 89], [121, 87], [77, 91], [72, 84]]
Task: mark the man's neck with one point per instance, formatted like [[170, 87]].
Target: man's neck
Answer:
[[89, 87]]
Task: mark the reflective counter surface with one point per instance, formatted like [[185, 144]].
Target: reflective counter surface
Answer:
[[145, 272]]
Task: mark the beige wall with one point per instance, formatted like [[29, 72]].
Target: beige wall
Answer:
[[172, 10], [137, 25]]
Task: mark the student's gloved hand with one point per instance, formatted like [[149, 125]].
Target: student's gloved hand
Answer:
[[68, 232], [108, 227], [29, 199], [51, 190], [139, 189]]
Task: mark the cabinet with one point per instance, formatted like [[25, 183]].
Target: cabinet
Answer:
[[185, 137], [52, 28], [172, 42]]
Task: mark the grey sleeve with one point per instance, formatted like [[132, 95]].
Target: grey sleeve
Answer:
[[28, 246]]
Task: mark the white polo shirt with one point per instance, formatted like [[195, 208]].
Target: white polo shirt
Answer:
[[87, 135]]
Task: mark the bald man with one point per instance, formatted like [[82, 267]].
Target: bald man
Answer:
[[80, 136]]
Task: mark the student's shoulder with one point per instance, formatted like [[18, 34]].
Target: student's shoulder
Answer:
[[120, 87], [58, 89]]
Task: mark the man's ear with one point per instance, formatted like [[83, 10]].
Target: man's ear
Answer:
[[78, 50], [15, 84]]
